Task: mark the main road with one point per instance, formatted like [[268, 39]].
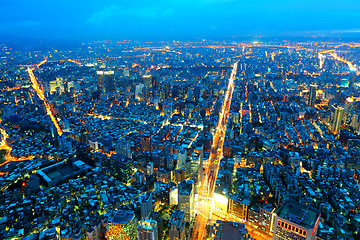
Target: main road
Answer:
[[41, 95], [207, 187]]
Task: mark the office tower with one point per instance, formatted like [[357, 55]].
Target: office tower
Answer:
[[145, 204], [120, 167], [123, 148], [352, 77], [296, 221], [139, 89], [348, 110], [335, 127], [126, 72], [223, 230], [181, 158], [147, 81], [267, 217], [355, 121], [186, 199], [177, 226], [238, 206], [53, 85], [312, 95], [122, 226], [148, 230], [106, 81]]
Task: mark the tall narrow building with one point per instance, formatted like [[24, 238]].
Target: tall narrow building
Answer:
[[348, 110], [106, 81], [186, 199], [335, 127], [312, 95], [177, 226]]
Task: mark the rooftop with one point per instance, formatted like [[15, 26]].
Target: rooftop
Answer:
[[177, 218], [123, 217], [299, 213]]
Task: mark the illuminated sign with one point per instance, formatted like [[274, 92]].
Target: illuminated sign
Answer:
[[316, 225], [105, 72]]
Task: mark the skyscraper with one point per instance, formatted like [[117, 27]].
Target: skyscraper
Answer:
[[186, 199], [106, 81], [148, 230], [122, 226], [145, 204], [312, 95], [296, 221], [348, 110], [177, 226], [147, 81], [335, 127]]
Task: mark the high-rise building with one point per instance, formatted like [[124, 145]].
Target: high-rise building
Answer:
[[296, 221], [355, 121], [123, 226], [145, 204], [336, 123], [147, 81], [123, 148], [312, 95], [177, 226], [186, 199], [348, 110], [106, 81], [148, 230], [54, 85], [238, 206], [267, 218]]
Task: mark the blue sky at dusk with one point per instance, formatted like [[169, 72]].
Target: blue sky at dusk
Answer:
[[141, 19]]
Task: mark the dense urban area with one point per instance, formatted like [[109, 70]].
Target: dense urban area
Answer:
[[180, 140]]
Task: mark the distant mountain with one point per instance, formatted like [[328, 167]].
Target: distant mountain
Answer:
[[41, 44]]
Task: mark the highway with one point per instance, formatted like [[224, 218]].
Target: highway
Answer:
[[207, 187]]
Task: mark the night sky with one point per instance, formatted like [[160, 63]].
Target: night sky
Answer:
[[160, 19]]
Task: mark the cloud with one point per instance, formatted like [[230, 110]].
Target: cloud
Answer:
[[104, 14], [112, 13]]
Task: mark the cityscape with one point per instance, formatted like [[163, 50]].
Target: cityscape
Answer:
[[181, 140], [180, 120]]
